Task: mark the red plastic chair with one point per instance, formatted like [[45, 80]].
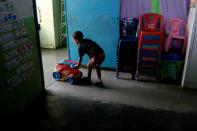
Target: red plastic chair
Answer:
[[151, 36], [176, 29], [151, 24]]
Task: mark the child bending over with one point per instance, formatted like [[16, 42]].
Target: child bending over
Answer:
[[95, 53]]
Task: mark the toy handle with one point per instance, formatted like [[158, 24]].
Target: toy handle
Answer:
[[73, 66]]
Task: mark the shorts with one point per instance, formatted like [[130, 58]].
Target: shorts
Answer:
[[96, 61]]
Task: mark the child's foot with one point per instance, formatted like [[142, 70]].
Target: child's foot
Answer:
[[99, 84], [86, 80]]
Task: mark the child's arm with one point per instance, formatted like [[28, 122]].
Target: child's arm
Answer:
[[79, 62]]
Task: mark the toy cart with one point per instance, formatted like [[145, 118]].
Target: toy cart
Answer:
[[64, 71]]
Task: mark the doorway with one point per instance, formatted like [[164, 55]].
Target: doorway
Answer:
[[51, 18], [52, 33]]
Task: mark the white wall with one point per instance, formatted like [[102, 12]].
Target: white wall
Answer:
[[46, 21], [189, 79]]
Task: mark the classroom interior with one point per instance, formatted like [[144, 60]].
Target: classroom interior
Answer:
[[149, 73]]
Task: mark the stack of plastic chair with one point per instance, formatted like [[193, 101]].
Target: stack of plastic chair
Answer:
[[175, 44], [150, 44], [176, 31], [127, 45]]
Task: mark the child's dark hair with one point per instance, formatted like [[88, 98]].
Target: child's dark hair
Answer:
[[78, 35]]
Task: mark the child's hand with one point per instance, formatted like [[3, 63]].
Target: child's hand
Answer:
[[76, 66]]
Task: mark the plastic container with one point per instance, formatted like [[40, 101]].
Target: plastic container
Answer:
[[171, 70], [173, 56]]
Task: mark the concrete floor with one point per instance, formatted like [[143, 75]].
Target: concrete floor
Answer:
[[123, 104], [49, 59]]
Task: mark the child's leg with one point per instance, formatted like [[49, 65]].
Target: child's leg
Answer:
[[99, 59], [89, 72], [90, 64], [87, 80], [98, 71]]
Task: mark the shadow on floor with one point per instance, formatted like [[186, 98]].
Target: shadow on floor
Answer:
[[53, 113]]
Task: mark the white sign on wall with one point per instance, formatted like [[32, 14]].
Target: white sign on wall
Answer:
[[21, 11]]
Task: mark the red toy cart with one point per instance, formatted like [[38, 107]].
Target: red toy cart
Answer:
[[64, 71]]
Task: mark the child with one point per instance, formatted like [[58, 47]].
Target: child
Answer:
[[95, 53]]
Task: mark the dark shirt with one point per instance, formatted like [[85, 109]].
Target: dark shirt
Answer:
[[90, 48]]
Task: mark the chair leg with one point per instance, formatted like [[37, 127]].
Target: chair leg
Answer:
[[167, 43], [184, 46], [138, 57], [117, 59], [137, 65], [179, 43], [117, 68]]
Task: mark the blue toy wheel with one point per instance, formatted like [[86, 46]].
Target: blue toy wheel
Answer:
[[70, 79], [56, 75]]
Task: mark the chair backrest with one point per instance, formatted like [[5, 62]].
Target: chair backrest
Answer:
[[151, 22], [128, 27], [176, 26]]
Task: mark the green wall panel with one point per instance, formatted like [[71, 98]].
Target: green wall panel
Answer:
[[21, 80], [15, 97], [155, 6]]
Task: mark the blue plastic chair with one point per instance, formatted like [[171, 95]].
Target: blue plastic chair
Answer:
[[128, 38]]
